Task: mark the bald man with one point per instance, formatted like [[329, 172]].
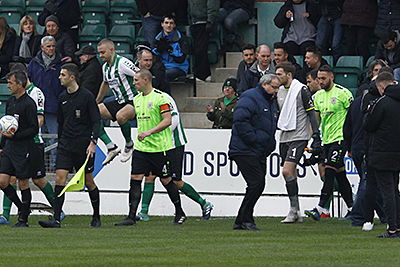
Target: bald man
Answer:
[[259, 68]]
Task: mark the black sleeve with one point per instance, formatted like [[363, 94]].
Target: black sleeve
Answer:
[[8, 48], [3, 138], [45, 13], [32, 121], [374, 116], [244, 83], [280, 19], [60, 119], [94, 115], [141, 4], [347, 131], [183, 43], [379, 51]]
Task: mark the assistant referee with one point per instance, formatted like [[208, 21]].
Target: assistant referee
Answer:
[[79, 122]]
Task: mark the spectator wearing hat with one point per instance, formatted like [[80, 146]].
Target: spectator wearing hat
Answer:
[[90, 73], [222, 111], [67, 12], [65, 45]]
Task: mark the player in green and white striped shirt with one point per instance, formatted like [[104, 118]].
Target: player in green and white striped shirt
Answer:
[[118, 75], [37, 153]]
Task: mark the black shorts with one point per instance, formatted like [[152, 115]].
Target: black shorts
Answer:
[[150, 163], [36, 161], [334, 154], [292, 151], [67, 160], [15, 165], [113, 107], [175, 157]]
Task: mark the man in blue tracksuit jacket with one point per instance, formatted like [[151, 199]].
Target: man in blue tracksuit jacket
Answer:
[[252, 140]]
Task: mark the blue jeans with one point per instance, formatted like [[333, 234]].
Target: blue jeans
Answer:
[[50, 126], [151, 27], [174, 73], [396, 74], [329, 34], [230, 20]]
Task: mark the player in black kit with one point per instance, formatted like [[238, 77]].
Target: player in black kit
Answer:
[[16, 147], [78, 130]]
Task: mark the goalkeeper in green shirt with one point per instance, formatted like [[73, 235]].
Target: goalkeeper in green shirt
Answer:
[[332, 104]]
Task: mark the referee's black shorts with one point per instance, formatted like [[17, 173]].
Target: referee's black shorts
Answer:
[[156, 163], [36, 161], [15, 165], [113, 107], [69, 160], [175, 157]]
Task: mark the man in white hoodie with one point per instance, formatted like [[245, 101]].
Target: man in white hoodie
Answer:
[[298, 123]]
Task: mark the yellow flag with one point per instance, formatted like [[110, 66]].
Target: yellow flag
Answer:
[[77, 182]]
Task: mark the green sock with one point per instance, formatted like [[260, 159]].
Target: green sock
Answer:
[[147, 195], [126, 131], [103, 135], [7, 205], [189, 191], [49, 193]]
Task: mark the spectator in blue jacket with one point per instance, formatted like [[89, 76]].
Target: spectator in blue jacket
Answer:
[[252, 140], [43, 71], [173, 49]]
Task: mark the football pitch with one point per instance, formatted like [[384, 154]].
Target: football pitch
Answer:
[[195, 243]]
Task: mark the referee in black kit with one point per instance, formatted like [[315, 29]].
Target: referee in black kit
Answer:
[[79, 123], [16, 147]]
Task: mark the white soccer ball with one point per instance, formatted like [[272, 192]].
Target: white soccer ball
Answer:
[[8, 124]]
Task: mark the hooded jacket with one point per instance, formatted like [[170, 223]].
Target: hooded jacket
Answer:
[[254, 124], [281, 21], [382, 124], [46, 78]]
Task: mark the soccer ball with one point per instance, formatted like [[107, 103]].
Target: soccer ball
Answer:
[[8, 124]]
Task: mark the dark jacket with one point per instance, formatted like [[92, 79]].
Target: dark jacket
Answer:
[[359, 13], [68, 13], [6, 52], [247, 5], [65, 45], [382, 123], [155, 8], [331, 8], [388, 16], [47, 80], [203, 11], [353, 131], [282, 22], [34, 47], [91, 75], [254, 124], [251, 78], [222, 116], [382, 53], [242, 68]]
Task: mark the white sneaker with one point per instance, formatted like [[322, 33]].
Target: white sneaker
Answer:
[[127, 154], [292, 217], [206, 80], [111, 154], [368, 226]]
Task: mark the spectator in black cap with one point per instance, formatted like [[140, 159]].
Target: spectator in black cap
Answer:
[[90, 73], [222, 111], [65, 45]]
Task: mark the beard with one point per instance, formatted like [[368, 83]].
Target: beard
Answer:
[[327, 86]]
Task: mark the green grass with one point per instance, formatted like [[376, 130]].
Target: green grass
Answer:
[[195, 243]]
